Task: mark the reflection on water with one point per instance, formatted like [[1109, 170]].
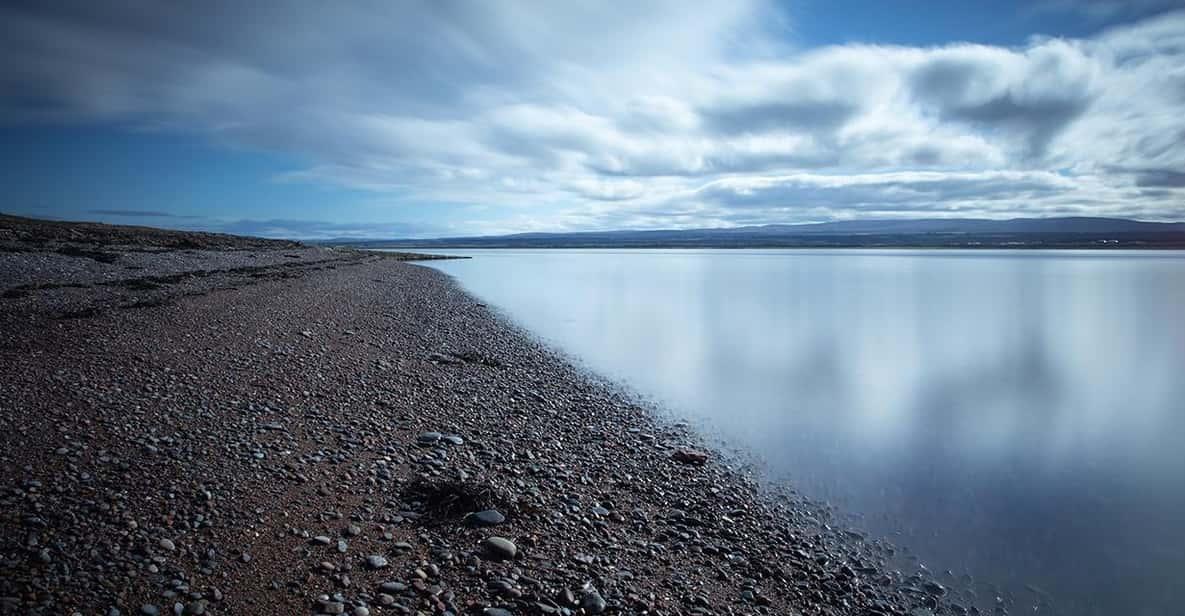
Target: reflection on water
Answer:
[[1017, 416]]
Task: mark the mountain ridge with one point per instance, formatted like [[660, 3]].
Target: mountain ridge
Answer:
[[1068, 232]]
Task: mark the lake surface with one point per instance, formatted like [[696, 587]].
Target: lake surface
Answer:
[[1017, 416]]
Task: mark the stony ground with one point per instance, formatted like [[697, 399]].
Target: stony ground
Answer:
[[345, 433]]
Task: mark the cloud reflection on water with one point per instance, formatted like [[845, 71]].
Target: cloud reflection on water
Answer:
[[1014, 415]]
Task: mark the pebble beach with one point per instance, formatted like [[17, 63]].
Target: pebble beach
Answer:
[[195, 424]]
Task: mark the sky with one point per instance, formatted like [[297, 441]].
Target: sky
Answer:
[[444, 118]]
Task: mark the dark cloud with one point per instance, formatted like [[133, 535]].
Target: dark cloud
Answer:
[[1161, 178], [986, 89], [916, 192], [763, 117]]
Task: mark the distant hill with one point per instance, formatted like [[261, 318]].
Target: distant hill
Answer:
[[1070, 232]]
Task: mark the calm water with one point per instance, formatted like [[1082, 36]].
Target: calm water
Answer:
[[1016, 416]]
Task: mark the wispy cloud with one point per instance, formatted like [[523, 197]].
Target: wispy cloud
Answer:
[[561, 115], [140, 214]]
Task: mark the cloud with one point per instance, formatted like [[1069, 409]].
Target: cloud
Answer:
[[563, 115], [316, 229], [138, 214], [1102, 10]]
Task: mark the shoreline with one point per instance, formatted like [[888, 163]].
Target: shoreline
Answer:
[[279, 441]]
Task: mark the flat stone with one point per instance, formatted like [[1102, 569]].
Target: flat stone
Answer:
[[166, 544], [690, 456], [453, 439], [428, 438], [393, 587], [488, 517], [499, 548], [374, 561]]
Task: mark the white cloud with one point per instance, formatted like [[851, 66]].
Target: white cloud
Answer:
[[562, 115]]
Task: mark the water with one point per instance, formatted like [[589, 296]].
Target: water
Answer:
[[1018, 416]]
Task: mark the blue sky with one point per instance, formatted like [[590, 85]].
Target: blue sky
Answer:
[[396, 119]]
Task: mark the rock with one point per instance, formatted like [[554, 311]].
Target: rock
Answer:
[[454, 439], [333, 607], [690, 456], [593, 602], [166, 544], [149, 609], [321, 540], [428, 438], [488, 517], [375, 561], [499, 548], [393, 587], [496, 611], [934, 588]]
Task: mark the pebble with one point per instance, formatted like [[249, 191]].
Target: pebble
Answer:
[[375, 561], [393, 587], [488, 517], [428, 438], [500, 548], [593, 602], [690, 456]]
